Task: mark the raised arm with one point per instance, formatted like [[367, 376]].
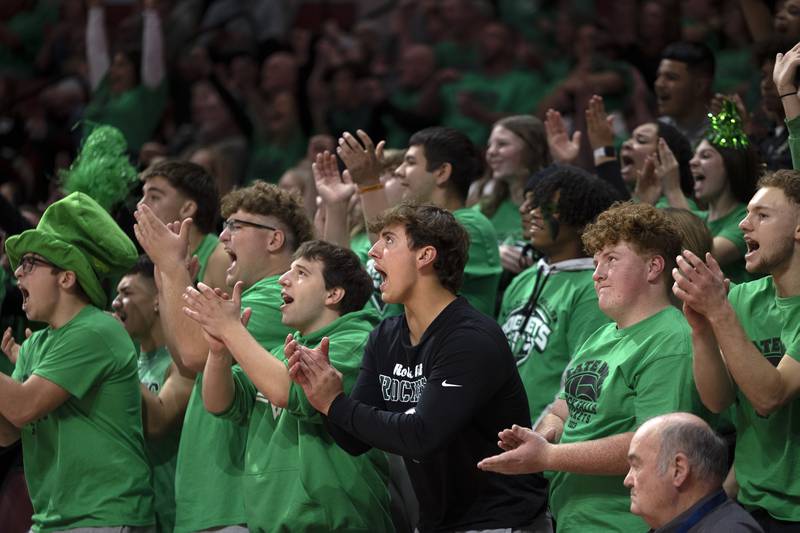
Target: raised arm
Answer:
[[219, 318], [97, 57], [766, 387], [335, 191], [362, 159], [153, 69], [168, 252]]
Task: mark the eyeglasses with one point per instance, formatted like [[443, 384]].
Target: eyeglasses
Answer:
[[29, 261], [233, 225]]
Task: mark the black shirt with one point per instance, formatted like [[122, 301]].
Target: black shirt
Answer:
[[440, 405]]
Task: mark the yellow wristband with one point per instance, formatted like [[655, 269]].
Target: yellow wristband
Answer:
[[370, 188]]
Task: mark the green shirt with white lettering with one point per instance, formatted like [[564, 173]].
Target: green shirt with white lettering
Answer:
[[548, 311]]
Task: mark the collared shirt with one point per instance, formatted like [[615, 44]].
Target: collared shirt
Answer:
[[702, 517]]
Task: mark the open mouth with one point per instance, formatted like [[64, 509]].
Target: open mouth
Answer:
[[752, 245], [25, 296], [384, 276], [286, 299], [232, 257]]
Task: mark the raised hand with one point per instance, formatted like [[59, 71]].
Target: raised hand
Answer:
[[165, 248], [700, 285], [598, 124], [212, 309], [331, 186], [562, 148], [526, 452], [361, 157], [666, 168], [10, 346], [785, 70], [648, 187]]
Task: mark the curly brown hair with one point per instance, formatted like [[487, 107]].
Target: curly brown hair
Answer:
[[267, 199], [786, 180], [428, 225], [647, 229]]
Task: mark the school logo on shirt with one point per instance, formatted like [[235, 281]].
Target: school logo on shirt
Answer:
[[773, 349], [583, 385], [526, 333], [405, 385]]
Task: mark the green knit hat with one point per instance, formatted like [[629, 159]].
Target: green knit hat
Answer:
[[76, 234]]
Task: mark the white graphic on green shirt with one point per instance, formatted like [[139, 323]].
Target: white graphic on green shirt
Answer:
[[526, 331]]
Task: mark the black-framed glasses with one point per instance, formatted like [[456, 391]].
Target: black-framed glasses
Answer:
[[30, 261], [234, 224]]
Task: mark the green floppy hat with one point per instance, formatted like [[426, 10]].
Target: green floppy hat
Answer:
[[76, 234]]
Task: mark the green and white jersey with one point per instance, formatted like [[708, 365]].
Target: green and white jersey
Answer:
[[767, 460], [296, 477], [85, 461], [162, 452], [548, 311], [619, 379], [208, 481]]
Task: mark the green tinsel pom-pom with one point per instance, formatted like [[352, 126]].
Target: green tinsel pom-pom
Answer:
[[726, 129], [102, 169]]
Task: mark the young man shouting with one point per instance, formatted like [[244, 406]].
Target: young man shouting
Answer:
[[436, 385]]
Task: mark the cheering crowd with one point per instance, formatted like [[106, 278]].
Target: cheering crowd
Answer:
[[404, 265]]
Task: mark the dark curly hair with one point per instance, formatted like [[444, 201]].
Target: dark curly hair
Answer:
[[582, 196], [267, 199], [340, 268], [428, 225]]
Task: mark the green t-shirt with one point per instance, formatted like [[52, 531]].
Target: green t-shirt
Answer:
[[618, 380], [208, 480], [204, 251], [85, 462], [548, 312], [296, 477], [767, 461], [728, 227], [162, 452], [514, 92], [506, 220], [135, 112], [793, 126], [482, 271]]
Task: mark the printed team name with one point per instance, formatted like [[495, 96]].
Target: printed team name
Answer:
[[536, 334], [773, 349], [401, 390]]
